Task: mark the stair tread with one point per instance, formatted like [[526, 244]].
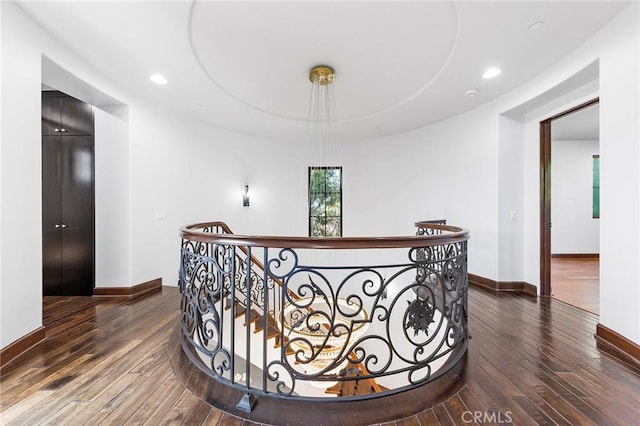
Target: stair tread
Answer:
[[355, 387], [240, 310]]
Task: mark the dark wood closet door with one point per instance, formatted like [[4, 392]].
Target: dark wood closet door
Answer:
[[51, 116], [51, 216], [77, 117], [77, 215], [67, 196], [65, 116]]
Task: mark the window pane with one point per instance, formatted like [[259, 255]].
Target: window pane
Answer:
[[333, 180], [317, 204], [317, 226], [317, 183], [333, 227], [333, 207], [331, 199]]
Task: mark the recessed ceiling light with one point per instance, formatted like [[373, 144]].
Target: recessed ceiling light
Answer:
[[158, 79], [536, 26], [470, 93], [491, 72]]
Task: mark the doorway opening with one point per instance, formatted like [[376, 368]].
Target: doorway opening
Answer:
[[569, 206]]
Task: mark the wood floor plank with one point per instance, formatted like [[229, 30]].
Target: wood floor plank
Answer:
[[576, 401], [473, 404], [476, 389], [25, 405], [427, 417], [102, 380], [213, 418], [532, 410], [442, 416], [576, 281], [106, 398], [456, 409], [61, 416], [502, 397], [186, 410], [139, 395], [409, 421], [50, 379], [158, 403], [228, 420]]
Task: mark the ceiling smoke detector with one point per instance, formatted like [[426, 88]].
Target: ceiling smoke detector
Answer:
[[470, 93]]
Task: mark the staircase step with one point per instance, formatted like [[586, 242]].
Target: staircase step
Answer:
[[240, 310], [279, 342], [272, 327], [253, 317], [355, 387], [272, 331]]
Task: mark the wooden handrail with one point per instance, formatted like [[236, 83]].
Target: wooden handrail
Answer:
[[453, 234]]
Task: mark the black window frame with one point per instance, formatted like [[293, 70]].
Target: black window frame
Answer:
[[310, 198]]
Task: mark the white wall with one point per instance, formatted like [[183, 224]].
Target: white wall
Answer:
[[191, 172], [511, 213], [21, 227], [445, 171], [574, 229], [1, 188], [620, 177], [112, 197], [617, 48]]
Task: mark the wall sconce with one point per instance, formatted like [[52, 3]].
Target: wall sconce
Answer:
[[245, 196]]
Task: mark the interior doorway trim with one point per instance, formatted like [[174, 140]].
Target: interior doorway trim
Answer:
[[545, 195]]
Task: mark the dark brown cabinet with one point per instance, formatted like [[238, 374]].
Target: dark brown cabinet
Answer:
[[64, 115], [67, 195]]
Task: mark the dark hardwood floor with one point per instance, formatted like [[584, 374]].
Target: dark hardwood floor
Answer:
[[531, 361], [576, 281]]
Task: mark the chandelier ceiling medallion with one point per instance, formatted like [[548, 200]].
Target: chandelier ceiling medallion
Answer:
[[322, 75]]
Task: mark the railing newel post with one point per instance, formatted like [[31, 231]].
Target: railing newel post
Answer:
[[247, 321], [265, 314], [232, 283]]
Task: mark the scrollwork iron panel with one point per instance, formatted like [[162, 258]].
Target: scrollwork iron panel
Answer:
[[293, 328]]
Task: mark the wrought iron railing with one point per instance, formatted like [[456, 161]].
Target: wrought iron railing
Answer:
[[294, 317]]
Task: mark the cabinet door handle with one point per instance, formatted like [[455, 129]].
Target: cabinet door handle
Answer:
[[63, 130], [56, 130], [57, 225], [64, 226]]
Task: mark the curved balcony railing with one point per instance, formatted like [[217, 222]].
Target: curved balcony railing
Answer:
[[306, 318]]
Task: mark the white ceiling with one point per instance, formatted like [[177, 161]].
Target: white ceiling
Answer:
[[244, 66]]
